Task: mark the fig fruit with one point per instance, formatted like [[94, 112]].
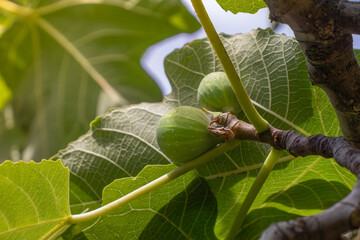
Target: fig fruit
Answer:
[[182, 134], [215, 94]]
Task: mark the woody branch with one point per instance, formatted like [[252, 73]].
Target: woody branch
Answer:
[[330, 224], [323, 29]]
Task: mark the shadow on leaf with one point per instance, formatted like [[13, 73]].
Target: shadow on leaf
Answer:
[[258, 220], [191, 214], [311, 194]]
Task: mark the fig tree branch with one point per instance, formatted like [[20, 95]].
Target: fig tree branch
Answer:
[[323, 30], [330, 224], [349, 17], [345, 154]]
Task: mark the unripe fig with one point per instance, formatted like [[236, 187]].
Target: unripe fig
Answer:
[[182, 134], [215, 93]]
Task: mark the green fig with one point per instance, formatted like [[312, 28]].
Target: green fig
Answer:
[[215, 94], [182, 134]]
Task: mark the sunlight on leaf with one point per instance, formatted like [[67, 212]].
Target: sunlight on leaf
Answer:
[[245, 6], [34, 199]]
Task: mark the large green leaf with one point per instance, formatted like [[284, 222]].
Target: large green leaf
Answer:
[[173, 211], [57, 60], [245, 6], [119, 144], [34, 199], [273, 71]]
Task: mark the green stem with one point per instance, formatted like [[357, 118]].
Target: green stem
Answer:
[[15, 8], [89, 68], [254, 117], [265, 170], [59, 5], [56, 231], [154, 184]]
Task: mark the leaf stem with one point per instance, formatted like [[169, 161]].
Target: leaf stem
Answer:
[[254, 117], [15, 8], [265, 170], [56, 231], [154, 184], [60, 5], [115, 96]]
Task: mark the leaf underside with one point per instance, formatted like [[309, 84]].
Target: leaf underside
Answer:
[[245, 6], [272, 68]]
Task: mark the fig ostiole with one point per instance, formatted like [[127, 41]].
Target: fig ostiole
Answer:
[[216, 94], [182, 134]]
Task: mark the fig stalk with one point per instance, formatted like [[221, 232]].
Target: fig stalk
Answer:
[[228, 126], [251, 113]]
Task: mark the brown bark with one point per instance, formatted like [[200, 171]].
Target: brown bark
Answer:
[[330, 224], [323, 28]]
